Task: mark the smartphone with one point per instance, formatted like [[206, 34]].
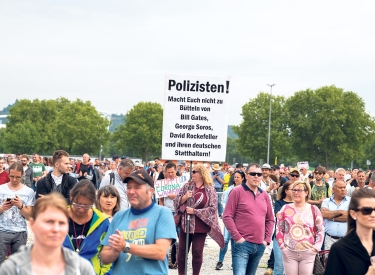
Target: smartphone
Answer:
[[372, 259], [9, 199]]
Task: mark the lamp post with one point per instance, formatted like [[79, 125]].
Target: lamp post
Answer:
[[269, 125]]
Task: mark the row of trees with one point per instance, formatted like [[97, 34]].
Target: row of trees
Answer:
[[325, 126], [46, 125], [328, 126]]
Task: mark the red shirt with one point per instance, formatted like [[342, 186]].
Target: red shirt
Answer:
[[4, 177]]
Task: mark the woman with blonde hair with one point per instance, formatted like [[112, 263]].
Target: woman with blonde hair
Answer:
[[49, 222], [300, 231], [198, 199]]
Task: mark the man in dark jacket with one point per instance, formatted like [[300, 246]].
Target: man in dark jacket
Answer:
[[58, 180]]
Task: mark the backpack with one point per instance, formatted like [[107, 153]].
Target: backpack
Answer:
[[112, 178], [172, 256]]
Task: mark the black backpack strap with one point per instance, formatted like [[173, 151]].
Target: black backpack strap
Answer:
[[327, 186], [48, 185], [112, 178]]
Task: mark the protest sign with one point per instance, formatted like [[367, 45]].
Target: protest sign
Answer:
[[195, 118], [303, 163], [165, 187]]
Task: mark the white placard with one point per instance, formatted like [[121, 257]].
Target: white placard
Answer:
[[195, 122], [303, 163]]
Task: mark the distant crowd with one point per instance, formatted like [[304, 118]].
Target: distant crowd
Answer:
[[102, 217]]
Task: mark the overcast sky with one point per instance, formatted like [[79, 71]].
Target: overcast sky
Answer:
[[116, 53]]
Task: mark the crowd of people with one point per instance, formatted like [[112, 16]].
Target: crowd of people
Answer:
[[104, 216]]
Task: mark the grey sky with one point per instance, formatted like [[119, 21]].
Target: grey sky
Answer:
[[116, 53]]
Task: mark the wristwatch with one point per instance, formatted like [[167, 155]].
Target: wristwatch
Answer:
[[126, 248]]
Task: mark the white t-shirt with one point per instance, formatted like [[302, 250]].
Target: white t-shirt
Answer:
[[57, 180], [12, 220]]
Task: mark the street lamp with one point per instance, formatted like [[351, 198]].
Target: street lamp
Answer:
[[269, 125]]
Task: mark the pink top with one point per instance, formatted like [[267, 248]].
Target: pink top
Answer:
[[295, 229]]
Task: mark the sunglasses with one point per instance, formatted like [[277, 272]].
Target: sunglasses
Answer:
[[84, 206], [282, 173], [365, 210], [318, 173], [253, 174], [195, 171], [15, 177], [294, 175]]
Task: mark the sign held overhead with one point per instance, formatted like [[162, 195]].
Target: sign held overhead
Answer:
[[195, 124]]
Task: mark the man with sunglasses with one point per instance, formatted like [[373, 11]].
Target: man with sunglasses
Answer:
[[58, 180], [319, 189], [16, 206], [248, 217]]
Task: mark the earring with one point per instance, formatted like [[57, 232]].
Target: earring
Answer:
[[354, 218]]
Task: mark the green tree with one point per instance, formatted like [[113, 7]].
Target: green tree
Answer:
[[2, 144], [253, 131], [328, 125], [47, 125], [30, 127], [81, 128], [142, 132]]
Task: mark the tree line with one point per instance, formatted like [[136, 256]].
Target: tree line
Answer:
[[327, 126]]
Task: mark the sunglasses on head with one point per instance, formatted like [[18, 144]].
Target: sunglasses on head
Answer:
[[294, 175], [253, 174], [365, 210]]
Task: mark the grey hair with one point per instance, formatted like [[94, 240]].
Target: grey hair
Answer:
[[340, 169], [127, 163]]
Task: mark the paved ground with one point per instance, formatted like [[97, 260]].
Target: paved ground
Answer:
[[210, 258]]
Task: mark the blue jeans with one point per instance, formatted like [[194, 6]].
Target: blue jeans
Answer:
[[219, 205], [278, 268], [246, 257], [226, 243]]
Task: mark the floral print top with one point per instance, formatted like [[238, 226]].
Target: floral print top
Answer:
[[295, 228]]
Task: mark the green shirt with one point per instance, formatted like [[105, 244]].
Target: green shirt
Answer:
[[38, 169]]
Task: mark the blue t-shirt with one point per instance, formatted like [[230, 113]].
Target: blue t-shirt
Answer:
[[142, 229]]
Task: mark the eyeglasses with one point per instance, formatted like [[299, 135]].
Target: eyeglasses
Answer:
[[253, 174], [298, 190], [294, 175], [365, 210], [83, 206], [195, 171], [15, 177]]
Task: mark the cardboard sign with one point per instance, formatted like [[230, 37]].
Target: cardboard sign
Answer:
[[195, 118], [165, 187]]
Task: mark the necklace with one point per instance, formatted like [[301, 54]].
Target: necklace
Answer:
[[78, 243]]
